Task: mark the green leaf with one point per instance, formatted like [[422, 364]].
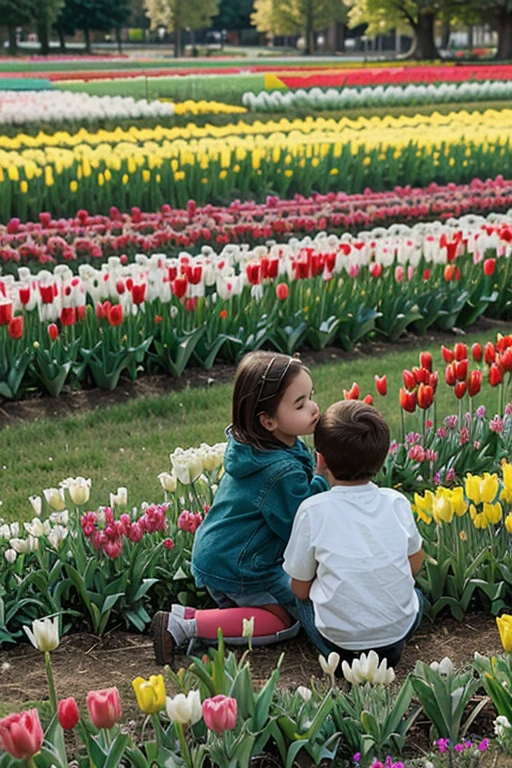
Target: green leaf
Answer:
[[144, 588]]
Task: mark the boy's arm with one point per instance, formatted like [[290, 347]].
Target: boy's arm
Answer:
[[416, 561], [301, 589]]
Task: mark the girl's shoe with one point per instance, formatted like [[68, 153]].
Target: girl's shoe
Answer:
[[163, 641]]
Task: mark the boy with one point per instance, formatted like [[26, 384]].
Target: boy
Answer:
[[354, 550]]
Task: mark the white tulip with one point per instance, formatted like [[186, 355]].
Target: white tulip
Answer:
[[57, 535], [501, 724], [78, 488], [445, 667], [10, 555], [248, 629], [329, 665], [15, 529], [22, 546], [185, 709], [304, 693], [168, 481], [37, 528], [55, 498], [37, 504], [59, 518], [366, 669], [5, 531], [119, 499], [44, 634]]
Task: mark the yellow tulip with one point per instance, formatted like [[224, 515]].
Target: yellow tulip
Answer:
[[73, 186], [423, 506], [493, 512], [505, 629], [489, 487], [472, 488], [442, 510], [478, 517], [150, 693], [23, 186], [506, 471], [508, 522], [459, 502]]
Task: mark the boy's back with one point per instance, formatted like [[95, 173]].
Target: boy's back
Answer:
[[355, 541]]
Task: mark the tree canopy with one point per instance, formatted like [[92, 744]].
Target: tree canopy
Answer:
[[288, 17]]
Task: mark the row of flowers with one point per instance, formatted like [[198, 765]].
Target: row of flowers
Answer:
[[92, 238], [218, 717], [150, 167], [317, 99], [164, 313]]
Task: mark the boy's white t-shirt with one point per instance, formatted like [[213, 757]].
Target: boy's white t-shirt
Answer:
[[355, 542]]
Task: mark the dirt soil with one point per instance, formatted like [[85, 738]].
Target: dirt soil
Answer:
[[36, 407], [83, 663]]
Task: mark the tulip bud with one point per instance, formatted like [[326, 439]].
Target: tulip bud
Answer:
[[460, 389], [425, 396], [495, 376], [168, 482], [460, 351], [10, 555], [407, 400], [449, 374], [104, 707], [368, 399], [409, 379], [426, 361], [381, 385], [185, 709], [53, 331], [476, 352], [220, 713], [44, 634], [489, 267], [447, 354], [461, 369], [282, 291], [353, 393], [150, 693], [489, 353], [304, 693], [21, 734], [68, 713], [474, 383]]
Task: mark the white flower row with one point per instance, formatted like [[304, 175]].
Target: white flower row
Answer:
[[17, 108], [377, 96], [226, 271]]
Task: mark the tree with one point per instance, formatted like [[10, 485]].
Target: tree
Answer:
[[234, 14], [498, 13], [177, 15], [45, 13], [14, 13], [89, 15], [289, 17]]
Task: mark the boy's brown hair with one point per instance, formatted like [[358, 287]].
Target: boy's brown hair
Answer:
[[354, 439]]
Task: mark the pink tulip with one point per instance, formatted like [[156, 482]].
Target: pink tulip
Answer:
[[220, 713], [104, 707], [21, 734], [68, 713]]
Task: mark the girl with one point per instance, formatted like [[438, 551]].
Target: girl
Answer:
[[238, 550]]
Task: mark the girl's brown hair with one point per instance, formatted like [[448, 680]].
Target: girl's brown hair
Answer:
[[261, 380]]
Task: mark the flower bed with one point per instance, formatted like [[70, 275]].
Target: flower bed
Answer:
[[90, 238], [318, 99], [165, 313], [151, 167]]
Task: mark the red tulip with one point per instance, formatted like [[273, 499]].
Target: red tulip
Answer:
[[139, 293], [353, 393], [80, 312], [447, 354], [476, 352], [460, 389], [253, 270], [426, 360], [489, 353], [381, 385], [5, 312], [68, 316], [433, 380], [449, 272], [179, 287], [376, 270], [68, 713], [449, 374], [506, 360], [24, 294], [220, 713], [461, 369], [368, 399], [460, 351], [104, 707], [15, 328], [421, 375], [282, 291], [495, 375], [21, 734], [489, 267], [425, 396], [115, 315], [407, 400], [474, 383], [426, 274], [53, 331], [409, 379]]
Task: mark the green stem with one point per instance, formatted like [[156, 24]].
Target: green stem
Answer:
[[29, 762], [51, 684], [185, 752]]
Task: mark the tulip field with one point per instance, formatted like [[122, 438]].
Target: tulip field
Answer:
[[157, 240]]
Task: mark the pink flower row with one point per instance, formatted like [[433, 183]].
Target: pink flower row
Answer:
[[94, 238]]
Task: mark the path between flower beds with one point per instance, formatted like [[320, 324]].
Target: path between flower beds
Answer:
[[83, 663], [70, 403]]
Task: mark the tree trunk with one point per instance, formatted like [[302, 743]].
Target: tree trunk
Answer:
[[118, 38], [177, 42], [424, 47], [504, 36], [340, 35], [309, 30], [87, 36], [62, 39], [445, 35], [13, 42], [42, 31], [470, 37]]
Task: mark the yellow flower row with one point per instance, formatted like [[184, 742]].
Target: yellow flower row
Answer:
[[203, 107], [481, 496], [491, 126]]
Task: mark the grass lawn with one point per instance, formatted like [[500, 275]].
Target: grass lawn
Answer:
[[128, 444]]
